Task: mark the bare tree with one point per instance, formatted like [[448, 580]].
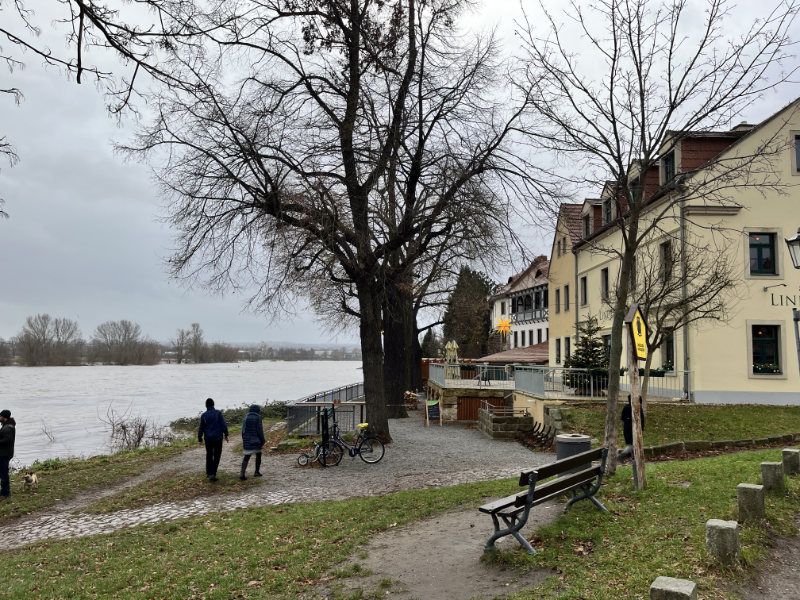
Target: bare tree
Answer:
[[5, 352], [35, 341], [679, 282], [279, 127], [68, 345], [649, 74], [121, 343], [196, 344], [47, 341], [181, 345]]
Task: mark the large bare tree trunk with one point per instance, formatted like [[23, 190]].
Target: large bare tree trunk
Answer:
[[395, 353], [372, 361]]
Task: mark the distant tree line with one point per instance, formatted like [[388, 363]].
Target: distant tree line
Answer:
[[48, 341]]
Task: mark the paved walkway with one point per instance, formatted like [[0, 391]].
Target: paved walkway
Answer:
[[419, 457]]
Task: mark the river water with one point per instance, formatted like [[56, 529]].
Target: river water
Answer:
[[71, 404]]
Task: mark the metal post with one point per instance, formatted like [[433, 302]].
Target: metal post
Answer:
[[796, 317]]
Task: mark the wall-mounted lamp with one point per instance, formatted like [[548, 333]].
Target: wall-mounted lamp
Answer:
[[766, 287]]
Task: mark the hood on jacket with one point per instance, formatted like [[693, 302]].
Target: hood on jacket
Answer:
[[255, 408], [10, 421]]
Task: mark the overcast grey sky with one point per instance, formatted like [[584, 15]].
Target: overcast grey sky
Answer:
[[84, 239]]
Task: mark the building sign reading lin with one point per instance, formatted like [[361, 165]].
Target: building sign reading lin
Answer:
[[638, 332]]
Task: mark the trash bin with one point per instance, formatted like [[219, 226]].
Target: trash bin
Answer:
[[570, 444]]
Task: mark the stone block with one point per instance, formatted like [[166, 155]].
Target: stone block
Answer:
[[722, 540], [750, 498], [774, 439], [772, 477], [669, 588], [694, 445], [791, 461], [722, 443]]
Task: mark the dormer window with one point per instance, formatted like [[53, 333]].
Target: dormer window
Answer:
[[668, 167], [607, 215], [634, 188], [587, 226]]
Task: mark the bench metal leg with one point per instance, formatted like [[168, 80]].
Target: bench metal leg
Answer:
[[588, 494], [513, 527]]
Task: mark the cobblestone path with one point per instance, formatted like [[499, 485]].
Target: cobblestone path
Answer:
[[419, 457]]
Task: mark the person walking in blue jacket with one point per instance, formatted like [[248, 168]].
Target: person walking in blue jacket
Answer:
[[252, 440], [214, 429]]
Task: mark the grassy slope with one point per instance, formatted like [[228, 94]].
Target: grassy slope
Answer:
[[282, 552], [674, 423]]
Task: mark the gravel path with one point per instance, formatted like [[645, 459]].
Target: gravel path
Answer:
[[419, 457]]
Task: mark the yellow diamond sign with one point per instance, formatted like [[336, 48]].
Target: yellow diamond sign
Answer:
[[638, 331]]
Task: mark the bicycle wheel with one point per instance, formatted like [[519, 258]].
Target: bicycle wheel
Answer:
[[331, 454], [371, 450], [303, 459]]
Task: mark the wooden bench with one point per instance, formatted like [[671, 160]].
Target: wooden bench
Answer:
[[583, 484]]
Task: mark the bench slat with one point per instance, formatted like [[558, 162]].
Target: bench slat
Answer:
[[565, 464], [495, 505], [559, 486]]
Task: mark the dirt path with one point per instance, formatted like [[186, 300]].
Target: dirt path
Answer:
[[780, 578], [439, 559]]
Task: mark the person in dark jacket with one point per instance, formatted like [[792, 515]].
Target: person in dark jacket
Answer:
[[627, 426], [214, 429], [8, 431], [252, 440]]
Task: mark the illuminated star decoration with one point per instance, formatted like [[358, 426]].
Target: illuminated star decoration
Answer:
[[504, 326]]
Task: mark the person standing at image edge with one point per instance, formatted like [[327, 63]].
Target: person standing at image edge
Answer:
[[8, 432], [252, 440], [214, 429]]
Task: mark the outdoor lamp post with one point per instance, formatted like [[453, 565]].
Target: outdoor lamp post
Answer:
[[794, 252]]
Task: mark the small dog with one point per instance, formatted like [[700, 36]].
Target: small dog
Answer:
[[30, 481]]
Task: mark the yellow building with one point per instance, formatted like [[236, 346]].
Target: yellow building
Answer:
[[736, 226]]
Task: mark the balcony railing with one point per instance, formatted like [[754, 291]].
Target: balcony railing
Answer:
[[537, 314], [471, 375], [551, 382], [562, 383]]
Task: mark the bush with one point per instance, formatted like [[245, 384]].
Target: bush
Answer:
[[233, 416]]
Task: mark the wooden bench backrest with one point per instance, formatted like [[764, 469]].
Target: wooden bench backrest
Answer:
[[565, 464]]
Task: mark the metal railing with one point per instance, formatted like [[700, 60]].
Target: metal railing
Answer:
[[304, 417], [535, 314], [564, 383], [471, 375], [503, 411]]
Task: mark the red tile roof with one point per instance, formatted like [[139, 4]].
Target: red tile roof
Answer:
[[570, 214], [538, 354]]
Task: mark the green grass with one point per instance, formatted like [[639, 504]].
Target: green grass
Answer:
[[271, 552], [285, 551], [675, 423], [61, 480], [173, 487], [660, 531]]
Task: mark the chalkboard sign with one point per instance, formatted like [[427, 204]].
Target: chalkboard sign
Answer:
[[432, 412]]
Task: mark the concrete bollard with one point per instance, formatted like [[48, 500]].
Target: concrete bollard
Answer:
[[791, 461], [722, 540], [772, 476], [750, 498], [669, 588]]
